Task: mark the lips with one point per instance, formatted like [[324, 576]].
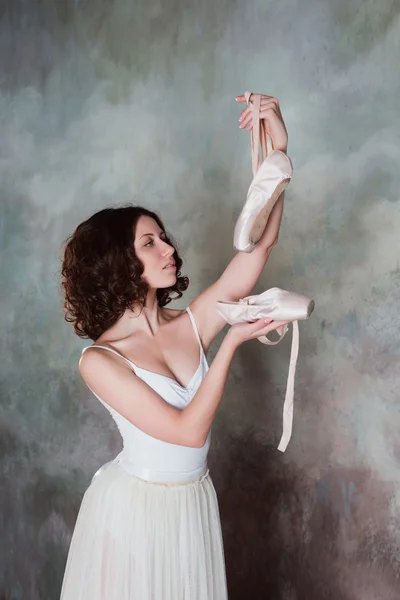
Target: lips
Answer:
[[170, 265]]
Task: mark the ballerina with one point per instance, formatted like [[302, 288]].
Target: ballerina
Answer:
[[149, 526]]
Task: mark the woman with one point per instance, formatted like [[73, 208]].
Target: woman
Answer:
[[149, 527]]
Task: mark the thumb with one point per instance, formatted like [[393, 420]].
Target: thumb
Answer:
[[260, 323]]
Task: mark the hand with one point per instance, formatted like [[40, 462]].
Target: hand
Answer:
[[271, 113], [242, 332]]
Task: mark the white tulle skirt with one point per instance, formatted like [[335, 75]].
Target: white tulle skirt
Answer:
[[136, 540]]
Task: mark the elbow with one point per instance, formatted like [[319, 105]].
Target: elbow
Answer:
[[271, 245], [195, 441], [265, 249], [193, 438], [199, 443]]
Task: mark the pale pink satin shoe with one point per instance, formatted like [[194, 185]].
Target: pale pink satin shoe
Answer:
[[270, 179], [279, 305]]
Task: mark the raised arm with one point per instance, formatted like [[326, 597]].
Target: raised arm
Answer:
[[242, 273], [237, 280]]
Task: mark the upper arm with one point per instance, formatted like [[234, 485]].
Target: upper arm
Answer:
[[237, 281], [132, 398]]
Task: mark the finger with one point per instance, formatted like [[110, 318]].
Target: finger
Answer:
[[265, 98], [261, 324], [255, 326], [240, 98], [248, 119], [273, 325], [277, 324], [245, 112], [280, 323], [242, 117], [265, 104], [269, 110], [269, 106]]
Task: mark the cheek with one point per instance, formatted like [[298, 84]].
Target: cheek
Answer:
[[141, 257], [150, 263]]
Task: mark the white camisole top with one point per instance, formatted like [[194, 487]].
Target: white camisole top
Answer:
[[147, 457]]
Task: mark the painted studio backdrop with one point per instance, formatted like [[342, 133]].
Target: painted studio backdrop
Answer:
[[104, 102]]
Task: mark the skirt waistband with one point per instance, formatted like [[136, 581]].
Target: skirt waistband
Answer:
[[157, 477], [163, 477], [175, 483]]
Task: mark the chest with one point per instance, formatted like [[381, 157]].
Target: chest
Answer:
[[174, 352]]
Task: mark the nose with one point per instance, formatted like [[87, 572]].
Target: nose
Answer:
[[168, 250]]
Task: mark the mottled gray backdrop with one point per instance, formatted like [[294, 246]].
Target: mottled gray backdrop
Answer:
[[104, 102]]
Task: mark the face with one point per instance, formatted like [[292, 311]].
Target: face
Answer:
[[154, 253]]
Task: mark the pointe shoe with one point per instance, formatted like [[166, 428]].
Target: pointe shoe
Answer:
[[279, 305], [270, 180]]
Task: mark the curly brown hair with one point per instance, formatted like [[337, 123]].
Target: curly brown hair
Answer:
[[101, 274]]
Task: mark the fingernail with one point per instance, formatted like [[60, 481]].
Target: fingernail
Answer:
[[240, 119]]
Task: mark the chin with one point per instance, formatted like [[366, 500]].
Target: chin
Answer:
[[168, 281]]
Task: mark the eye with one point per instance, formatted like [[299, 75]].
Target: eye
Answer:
[[163, 237]]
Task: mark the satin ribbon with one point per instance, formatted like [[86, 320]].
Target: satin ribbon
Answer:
[[259, 137], [258, 133], [289, 396]]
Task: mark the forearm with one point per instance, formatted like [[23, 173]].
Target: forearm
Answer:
[[199, 415], [271, 232]]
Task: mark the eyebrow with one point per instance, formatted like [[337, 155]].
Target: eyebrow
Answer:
[[152, 234]]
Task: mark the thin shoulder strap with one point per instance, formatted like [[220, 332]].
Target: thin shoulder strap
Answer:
[[130, 363], [194, 326]]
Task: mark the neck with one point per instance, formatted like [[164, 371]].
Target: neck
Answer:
[[137, 318]]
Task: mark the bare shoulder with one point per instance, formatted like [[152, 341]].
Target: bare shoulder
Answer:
[[104, 371], [93, 360]]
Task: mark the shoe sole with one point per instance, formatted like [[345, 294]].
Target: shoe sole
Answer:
[[310, 308], [262, 218]]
